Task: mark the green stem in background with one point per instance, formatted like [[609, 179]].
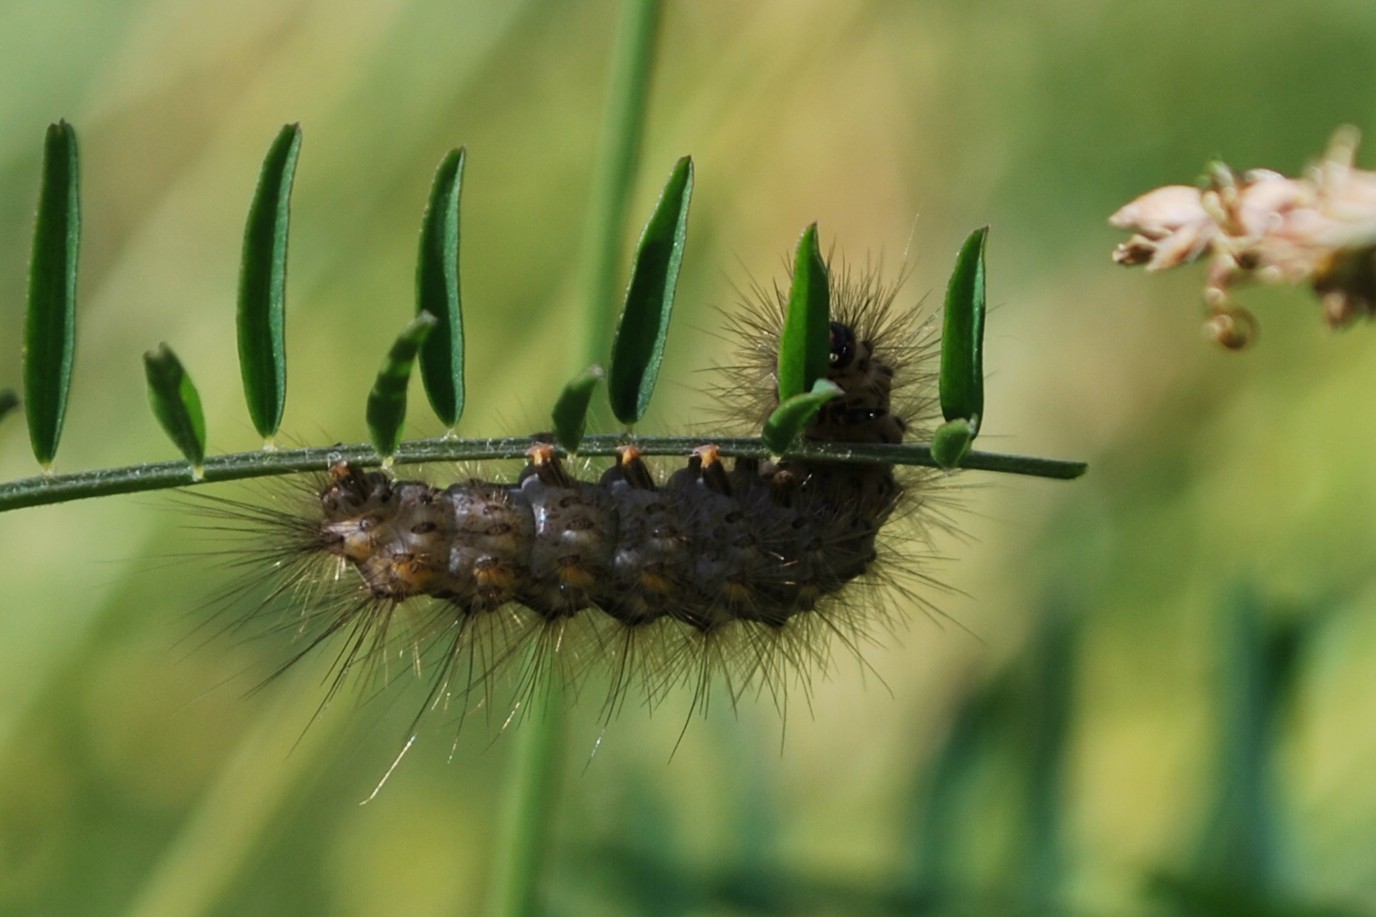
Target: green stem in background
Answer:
[[532, 795], [63, 488], [616, 169], [1048, 712]]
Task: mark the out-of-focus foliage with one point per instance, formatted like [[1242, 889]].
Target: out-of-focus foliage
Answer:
[[1098, 727]]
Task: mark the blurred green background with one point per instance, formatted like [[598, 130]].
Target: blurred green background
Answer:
[[1158, 691]]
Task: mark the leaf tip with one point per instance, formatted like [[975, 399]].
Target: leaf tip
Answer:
[[951, 443], [792, 416], [570, 414]]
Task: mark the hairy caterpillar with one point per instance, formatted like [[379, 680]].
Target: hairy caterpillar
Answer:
[[750, 574]]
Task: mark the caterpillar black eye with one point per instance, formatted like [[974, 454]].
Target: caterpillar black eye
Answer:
[[857, 416], [842, 346]]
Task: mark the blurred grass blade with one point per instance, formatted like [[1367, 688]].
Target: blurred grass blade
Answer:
[[1245, 859], [804, 345], [50, 320], [1241, 847], [437, 291], [176, 403], [387, 401], [571, 410], [1048, 715], [951, 442], [639, 346], [962, 336], [8, 402], [789, 418], [946, 798], [263, 285]]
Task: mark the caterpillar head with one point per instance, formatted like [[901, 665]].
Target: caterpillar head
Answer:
[[862, 412], [882, 358]]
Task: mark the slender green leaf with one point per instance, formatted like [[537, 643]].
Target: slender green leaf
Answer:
[[437, 291], [962, 336], [9, 400], [790, 417], [639, 346], [951, 442], [387, 401], [263, 285], [50, 321], [176, 403], [571, 410], [804, 346]]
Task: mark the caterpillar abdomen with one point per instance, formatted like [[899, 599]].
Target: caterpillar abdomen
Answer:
[[760, 543]]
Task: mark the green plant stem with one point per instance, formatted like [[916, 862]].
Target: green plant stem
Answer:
[[628, 96], [529, 801], [532, 793], [45, 489]]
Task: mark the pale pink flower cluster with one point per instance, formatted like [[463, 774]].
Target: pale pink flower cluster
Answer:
[[1318, 229]]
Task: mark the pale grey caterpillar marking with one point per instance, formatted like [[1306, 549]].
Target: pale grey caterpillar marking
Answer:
[[747, 574]]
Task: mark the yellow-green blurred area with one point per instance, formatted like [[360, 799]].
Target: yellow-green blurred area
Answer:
[[1150, 691]]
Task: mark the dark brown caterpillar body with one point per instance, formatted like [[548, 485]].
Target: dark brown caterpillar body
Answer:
[[742, 573], [761, 542]]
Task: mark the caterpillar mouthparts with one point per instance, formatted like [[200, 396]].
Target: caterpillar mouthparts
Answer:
[[743, 573]]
